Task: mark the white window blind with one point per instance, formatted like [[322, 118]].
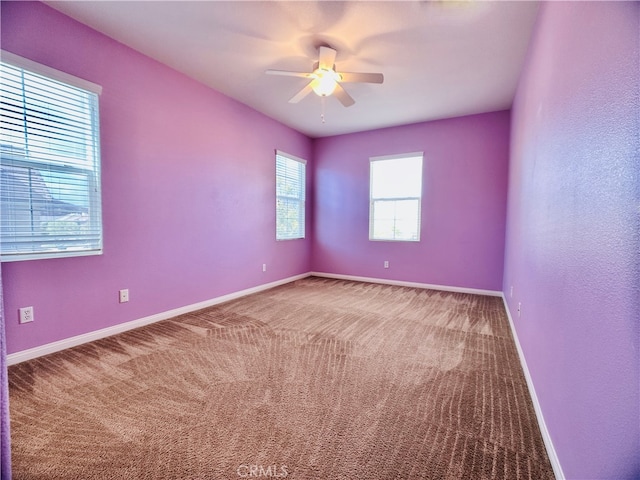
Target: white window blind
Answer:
[[395, 197], [50, 202], [290, 196]]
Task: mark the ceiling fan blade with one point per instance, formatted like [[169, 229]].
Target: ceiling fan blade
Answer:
[[361, 77], [342, 95], [327, 58], [302, 93], [289, 74]]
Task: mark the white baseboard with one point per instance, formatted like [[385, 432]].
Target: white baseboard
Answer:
[[546, 437], [444, 288], [53, 347]]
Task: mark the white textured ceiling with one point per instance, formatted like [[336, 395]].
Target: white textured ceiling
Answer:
[[439, 58]]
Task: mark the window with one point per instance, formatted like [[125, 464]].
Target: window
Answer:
[[395, 197], [290, 193], [49, 163]]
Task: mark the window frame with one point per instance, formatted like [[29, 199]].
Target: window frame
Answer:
[[300, 199], [374, 200], [92, 173]]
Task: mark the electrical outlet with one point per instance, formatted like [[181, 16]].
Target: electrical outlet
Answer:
[[264, 267], [26, 314], [386, 264], [124, 295], [519, 308]]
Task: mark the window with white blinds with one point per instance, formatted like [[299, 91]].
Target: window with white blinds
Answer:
[[50, 201], [395, 197], [290, 196]]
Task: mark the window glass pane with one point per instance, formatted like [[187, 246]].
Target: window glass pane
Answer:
[[383, 229], [396, 219], [407, 220], [49, 167], [290, 198], [396, 192], [289, 215], [384, 210], [400, 177]]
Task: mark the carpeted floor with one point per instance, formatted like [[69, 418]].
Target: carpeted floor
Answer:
[[317, 379]]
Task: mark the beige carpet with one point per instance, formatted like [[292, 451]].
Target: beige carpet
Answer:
[[318, 379]]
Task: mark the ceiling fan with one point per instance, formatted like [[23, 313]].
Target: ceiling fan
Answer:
[[326, 81]]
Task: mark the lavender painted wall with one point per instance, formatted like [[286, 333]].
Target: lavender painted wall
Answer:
[[188, 190], [573, 245], [463, 207]]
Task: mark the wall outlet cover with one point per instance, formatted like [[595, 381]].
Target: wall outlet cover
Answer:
[[26, 314]]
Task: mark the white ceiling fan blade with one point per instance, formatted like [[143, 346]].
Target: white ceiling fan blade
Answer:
[[327, 58], [289, 74], [302, 93], [361, 77], [342, 95]]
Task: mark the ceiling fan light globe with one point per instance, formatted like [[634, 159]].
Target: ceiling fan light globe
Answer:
[[325, 83], [324, 87]]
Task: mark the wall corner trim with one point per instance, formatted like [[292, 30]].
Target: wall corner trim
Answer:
[[400, 283], [546, 437], [53, 347]]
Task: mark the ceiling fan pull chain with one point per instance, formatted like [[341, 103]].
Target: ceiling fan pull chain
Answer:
[[322, 100]]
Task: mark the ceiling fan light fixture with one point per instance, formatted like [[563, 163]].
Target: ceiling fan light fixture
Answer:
[[325, 82]]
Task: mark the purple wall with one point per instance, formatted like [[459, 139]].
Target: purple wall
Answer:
[[572, 252], [463, 207], [188, 190]]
